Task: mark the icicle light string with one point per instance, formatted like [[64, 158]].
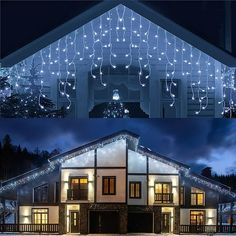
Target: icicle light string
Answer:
[[117, 21]]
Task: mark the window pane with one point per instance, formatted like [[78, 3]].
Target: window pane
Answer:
[[132, 190], [105, 185], [137, 190], [166, 188], [112, 185], [158, 188]]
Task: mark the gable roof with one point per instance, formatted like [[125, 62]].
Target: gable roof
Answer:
[[55, 162], [105, 6]]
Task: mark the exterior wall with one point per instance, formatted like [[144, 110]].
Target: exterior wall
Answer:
[[66, 173], [160, 168], [120, 185], [84, 160], [173, 179], [25, 216], [210, 216], [137, 163], [113, 154], [143, 199]]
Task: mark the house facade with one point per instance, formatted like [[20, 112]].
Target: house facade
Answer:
[[114, 185], [125, 46]]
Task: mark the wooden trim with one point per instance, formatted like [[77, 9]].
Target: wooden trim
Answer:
[[108, 177], [98, 167], [140, 189], [147, 178], [126, 172], [95, 175]]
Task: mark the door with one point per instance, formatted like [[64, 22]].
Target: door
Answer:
[[74, 222], [104, 222], [140, 222], [165, 222], [197, 220]]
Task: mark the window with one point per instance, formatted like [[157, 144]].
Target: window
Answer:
[[182, 195], [108, 185], [197, 197], [135, 189], [39, 215], [41, 193], [197, 217], [78, 188], [163, 193]]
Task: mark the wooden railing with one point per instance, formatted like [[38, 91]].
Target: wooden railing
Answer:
[[77, 194], [163, 197], [47, 228], [207, 229]]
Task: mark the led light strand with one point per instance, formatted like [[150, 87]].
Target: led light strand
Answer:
[[101, 58]]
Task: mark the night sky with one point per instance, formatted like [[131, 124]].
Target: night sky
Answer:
[[197, 142], [24, 21]]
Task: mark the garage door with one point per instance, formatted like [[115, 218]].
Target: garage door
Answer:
[[104, 222], [140, 222]]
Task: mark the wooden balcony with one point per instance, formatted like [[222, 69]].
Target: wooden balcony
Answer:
[[163, 198], [77, 194], [45, 228]]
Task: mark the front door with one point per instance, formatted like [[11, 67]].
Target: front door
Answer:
[[165, 223], [74, 222]]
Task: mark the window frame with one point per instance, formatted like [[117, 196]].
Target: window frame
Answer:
[[182, 196], [204, 216], [78, 177], [196, 194], [40, 213], [140, 189], [103, 187], [40, 186]]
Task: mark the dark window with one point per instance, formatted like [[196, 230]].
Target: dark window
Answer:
[[197, 197], [108, 185], [182, 195], [41, 193], [39, 215], [56, 192], [78, 189], [135, 189]]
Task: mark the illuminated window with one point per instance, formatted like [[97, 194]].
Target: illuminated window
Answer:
[[197, 217], [182, 195], [163, 193], [40, 216], [108, 185], [197, 197], [135, 189], [41, 193]]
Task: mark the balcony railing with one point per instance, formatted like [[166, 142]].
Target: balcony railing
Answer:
[[207, 229], [77, 194], [163, 197], [47, 228]]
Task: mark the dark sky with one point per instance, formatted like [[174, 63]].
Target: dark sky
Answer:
[[197, 142], [24, 21]]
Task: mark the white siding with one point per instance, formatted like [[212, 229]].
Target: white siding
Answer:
[[120, 185], [25, 216], [66, 173], [143, 199], [113, 154], [137, 163], [159, 167], [84, 160]]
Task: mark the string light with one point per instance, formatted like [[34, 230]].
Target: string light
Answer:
[[88, 46]]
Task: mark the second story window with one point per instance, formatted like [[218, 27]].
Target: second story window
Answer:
[[41, 193], [135, 189], [182, 195], [108, 185], [197, 197], [78, 188], [163, 193]]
